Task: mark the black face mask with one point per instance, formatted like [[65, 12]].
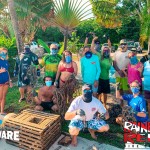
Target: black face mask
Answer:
[[106, 54], [88, 54], [87, 97]]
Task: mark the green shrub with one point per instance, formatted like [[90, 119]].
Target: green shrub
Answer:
[[11, 62]]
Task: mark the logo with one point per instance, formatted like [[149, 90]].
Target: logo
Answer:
[[93, 62], [93, 109], [136, 132]]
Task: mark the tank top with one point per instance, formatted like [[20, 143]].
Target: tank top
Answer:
[[134, 74]]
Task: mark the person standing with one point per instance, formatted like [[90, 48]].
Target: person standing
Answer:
[[90, 69], [105, 65], [66, 68], [146, 75], [5, 80], [26, 71], [135, 69], [50, 62], [120, 63]]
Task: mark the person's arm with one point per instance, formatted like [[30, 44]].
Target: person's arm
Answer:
[[86, 41], [93, 45], [70, 115], [38, 98], [109, 44], [117, 69], [82, 68], [58, 71], [98, 72], [140, 69], [75, 68]]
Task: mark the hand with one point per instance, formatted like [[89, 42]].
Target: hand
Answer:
[[80, 112], [38, 72], [10, 84], [95, 38], [15, 73], [87, 35], [96, 83], [120, 72], [140, 69], [102, 116], [2, 70], [56, 83]]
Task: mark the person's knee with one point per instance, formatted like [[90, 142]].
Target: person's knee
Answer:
[[54, 108], [74, 131], [104, 128], [39, 108]]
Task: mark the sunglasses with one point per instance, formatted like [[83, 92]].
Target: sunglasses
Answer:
[[123, 44], [86, 91], [54, 48], [135, 87]]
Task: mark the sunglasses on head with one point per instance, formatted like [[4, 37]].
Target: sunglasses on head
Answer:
[[123, 44], [85, 91]]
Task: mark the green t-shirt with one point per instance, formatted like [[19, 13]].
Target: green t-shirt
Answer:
[[105, 65], [50, 62]]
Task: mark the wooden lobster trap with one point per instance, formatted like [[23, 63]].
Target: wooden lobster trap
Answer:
[[37, 130]]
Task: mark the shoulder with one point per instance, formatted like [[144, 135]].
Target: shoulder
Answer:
[[95, 100], [77, 99]]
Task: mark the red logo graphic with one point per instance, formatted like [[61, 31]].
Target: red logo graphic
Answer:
[[93, 62], [93, 109]]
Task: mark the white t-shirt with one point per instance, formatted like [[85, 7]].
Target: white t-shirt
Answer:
[[121, 59], [89, 108]]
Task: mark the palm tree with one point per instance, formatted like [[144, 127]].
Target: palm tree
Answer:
[[15, 25], [68, 14]]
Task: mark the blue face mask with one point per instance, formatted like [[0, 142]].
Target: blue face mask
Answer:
[[68, 59], [106, 54], [133, 60], [48, 83], [53, 51], [135, 90], [88, 54], [3, 55]]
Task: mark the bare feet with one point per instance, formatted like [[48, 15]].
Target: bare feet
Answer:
[[92, 132], [74, 141]]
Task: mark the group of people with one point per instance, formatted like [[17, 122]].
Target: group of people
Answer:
[[95, 68]]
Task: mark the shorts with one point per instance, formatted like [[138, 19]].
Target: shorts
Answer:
[[6, 83], [104, 86], [47, 105], [123, 83], [94, 124], [147, 94]]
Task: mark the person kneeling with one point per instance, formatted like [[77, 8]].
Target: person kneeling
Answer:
[[44, 100], [82, 111]]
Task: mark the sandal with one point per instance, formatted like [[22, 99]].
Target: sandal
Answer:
[[21, 99]]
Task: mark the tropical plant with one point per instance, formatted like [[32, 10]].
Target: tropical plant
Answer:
[[107, 13], [69, 14]]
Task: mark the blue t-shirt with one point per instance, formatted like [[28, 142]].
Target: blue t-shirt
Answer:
[[90, 69], [138, 104], [4, 77], [146, 75]]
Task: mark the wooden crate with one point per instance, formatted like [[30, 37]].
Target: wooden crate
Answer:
[[37, 130]]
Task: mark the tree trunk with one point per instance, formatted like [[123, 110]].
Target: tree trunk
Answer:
[[65, 41], [15, 25]]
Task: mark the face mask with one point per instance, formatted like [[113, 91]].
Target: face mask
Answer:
[[68, 59], [88, 54], [87, 96], [135, 90], [106, 54], [53, 51], [133, 60], [48, 83], [3, 55]]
